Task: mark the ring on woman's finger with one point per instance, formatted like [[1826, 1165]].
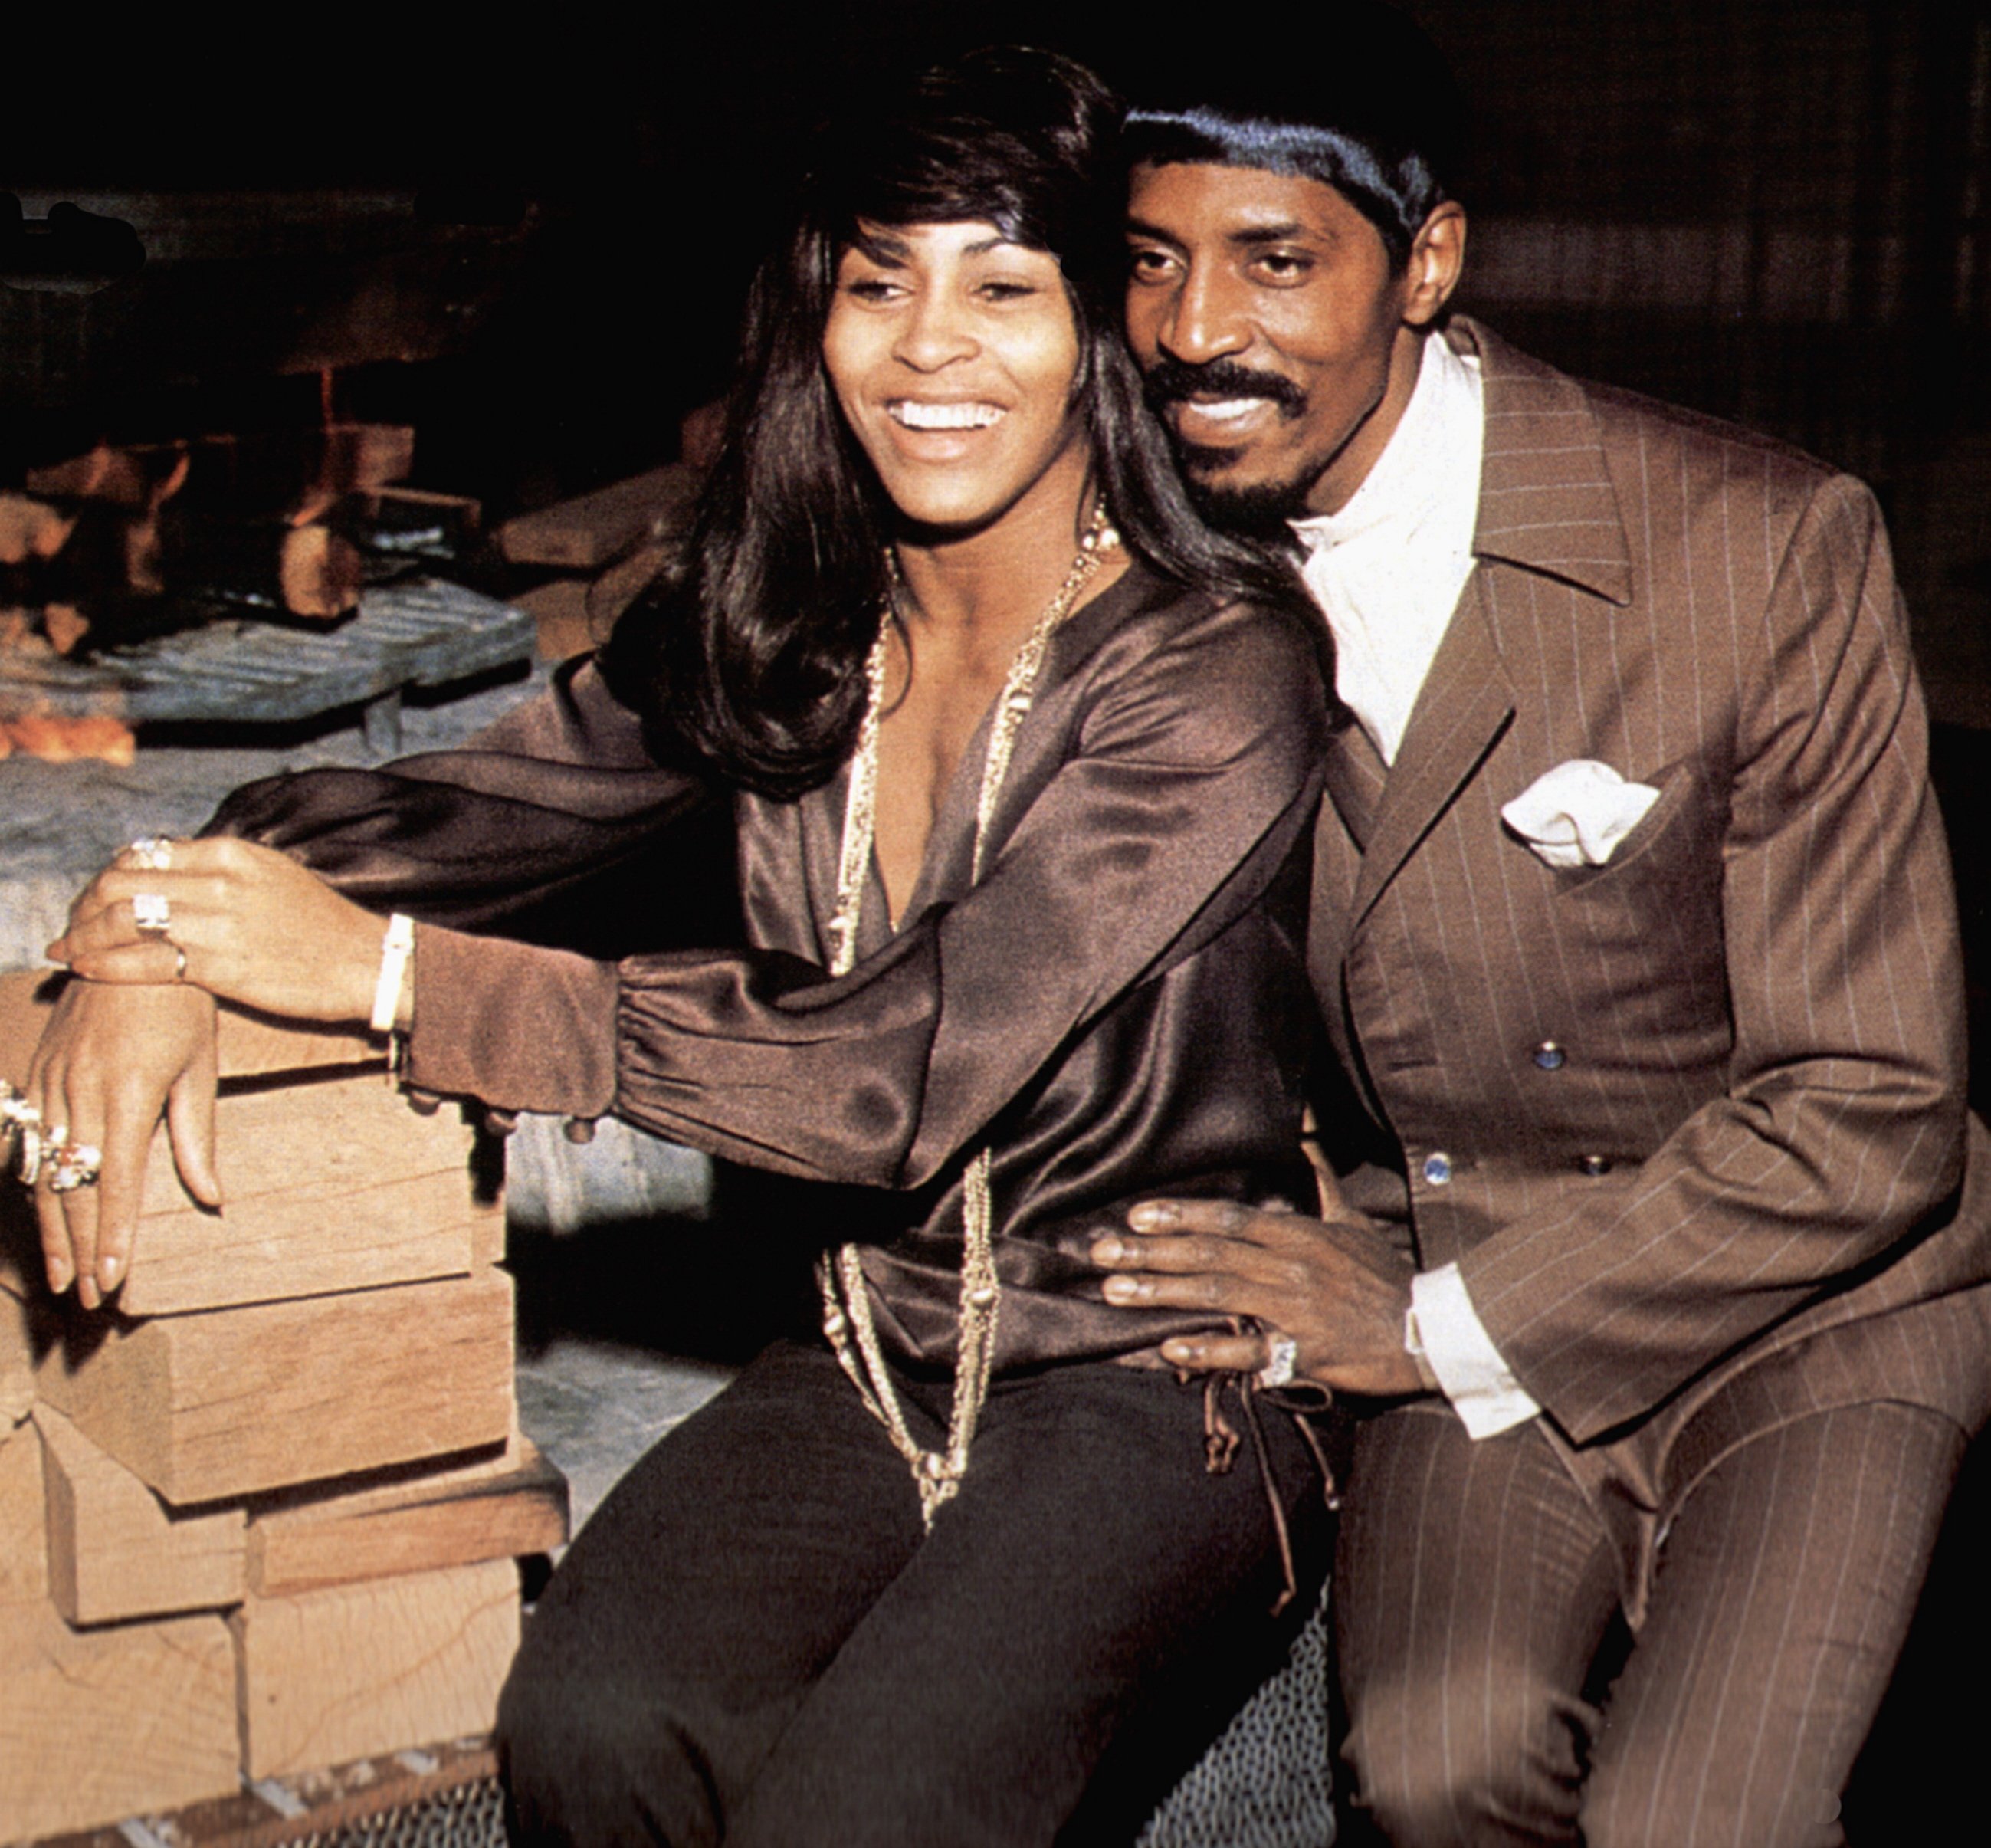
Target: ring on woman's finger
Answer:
[[1281, 1352], [74, 1165], [151, 913], [28, 1164], [179, 959], [150, 853], [15, 1110]]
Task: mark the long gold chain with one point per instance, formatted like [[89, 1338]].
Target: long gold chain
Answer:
[[847, 1319]]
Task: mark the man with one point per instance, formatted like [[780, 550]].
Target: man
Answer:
[[1654, 1257]]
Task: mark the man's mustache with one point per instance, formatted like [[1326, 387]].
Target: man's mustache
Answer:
[[1171, 381]]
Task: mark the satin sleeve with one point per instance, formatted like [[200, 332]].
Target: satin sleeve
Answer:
[[1153, 796], [551, 825]]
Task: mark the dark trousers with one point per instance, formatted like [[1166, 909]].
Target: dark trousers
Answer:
[[1473, 1585], [753, 1642]]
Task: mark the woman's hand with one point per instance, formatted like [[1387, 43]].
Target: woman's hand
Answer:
[[253, 925], [110, 1058]]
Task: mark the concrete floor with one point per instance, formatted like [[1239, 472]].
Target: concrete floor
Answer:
[[594, 1406]]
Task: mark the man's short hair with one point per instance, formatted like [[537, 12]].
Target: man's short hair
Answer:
[[1353, 94]]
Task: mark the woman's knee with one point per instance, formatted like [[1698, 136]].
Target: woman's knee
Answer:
[[588, 1761]]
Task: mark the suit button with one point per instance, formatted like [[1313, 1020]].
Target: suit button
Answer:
[[1438, 1169], [1595, 1164], [1549, 1056]]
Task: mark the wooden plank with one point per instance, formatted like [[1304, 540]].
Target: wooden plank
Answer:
[[265, 471], [101, 1724], [249, 1045], [358, 1669], [24, 1578], [330, 1185], [511, 1506], [115, 1550], [234, 1401], [17, 1358], [585, 534], [559, 611]]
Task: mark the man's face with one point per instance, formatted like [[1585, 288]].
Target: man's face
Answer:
[[1271, 323]]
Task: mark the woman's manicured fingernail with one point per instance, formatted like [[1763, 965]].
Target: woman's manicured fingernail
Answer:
[[1150, 1213], [108, 1273], [1179, 1354], [1124, 1289], [1106, 1250], [59, 1277]]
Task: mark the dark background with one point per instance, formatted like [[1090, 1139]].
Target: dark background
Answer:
[[527, 237]]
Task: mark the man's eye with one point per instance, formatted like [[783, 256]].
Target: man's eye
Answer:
[[1149, 266], [1283, 266]]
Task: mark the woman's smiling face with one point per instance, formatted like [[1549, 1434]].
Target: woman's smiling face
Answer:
[[953, 353]]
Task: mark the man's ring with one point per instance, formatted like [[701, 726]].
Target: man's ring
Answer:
[[150, 853], [74, 1165], [1278, 1370], [152, 914]]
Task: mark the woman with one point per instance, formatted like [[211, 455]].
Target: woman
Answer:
[[1020, 789]]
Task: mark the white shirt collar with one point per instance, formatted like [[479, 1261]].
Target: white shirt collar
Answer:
[[1388, 568]]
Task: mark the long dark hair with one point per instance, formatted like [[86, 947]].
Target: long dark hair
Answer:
[[752, 660]]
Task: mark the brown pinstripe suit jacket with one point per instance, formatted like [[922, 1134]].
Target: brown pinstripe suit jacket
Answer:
[[1759, 997]]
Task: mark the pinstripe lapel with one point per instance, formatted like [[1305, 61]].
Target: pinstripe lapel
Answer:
[[1547, 504], [1546, 500], [1356, 772], [1465, 705]]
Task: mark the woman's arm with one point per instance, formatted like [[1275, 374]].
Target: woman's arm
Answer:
[[531, 826]]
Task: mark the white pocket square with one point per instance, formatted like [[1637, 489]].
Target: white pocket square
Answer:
[[1576, 814]]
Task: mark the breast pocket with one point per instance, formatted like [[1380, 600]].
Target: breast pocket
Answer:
[[1649, 919], [1669, 832]]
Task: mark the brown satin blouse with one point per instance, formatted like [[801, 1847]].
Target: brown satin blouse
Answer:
[[1119, 1009]]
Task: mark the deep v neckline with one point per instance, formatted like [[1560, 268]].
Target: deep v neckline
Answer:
[[953, 821]]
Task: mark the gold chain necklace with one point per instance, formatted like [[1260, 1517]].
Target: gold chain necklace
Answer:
[[845, 1296]]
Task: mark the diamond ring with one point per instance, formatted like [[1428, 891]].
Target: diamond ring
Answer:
[[151, 913], [1278, 1370], [74, 1165]]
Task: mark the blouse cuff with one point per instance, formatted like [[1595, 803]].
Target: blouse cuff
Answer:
[[516, 1026]]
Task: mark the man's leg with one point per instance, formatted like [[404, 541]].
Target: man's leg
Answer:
[[1024, 1677], [1784, 1590], [688, 1619], [1472, 1586]]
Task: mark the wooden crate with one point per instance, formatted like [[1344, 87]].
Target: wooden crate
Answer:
[[97, 1725], [24, 1578], [232, 1401], [505, 1507], [356, 1669], [116, 1551]]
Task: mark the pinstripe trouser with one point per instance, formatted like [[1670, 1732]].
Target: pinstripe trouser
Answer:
[[1474, 1584]]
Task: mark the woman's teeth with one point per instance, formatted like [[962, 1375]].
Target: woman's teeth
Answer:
[[916, 416]]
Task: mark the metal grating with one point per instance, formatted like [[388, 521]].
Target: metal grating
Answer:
[[235, 669]]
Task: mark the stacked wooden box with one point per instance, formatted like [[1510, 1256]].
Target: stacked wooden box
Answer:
[[264, 1515], [607, 548]]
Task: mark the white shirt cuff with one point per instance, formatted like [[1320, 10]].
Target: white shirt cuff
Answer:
[[1488, 1398]]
